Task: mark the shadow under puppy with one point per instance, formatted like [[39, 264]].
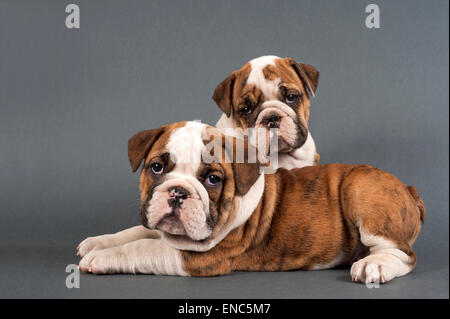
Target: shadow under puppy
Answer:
[[215, 217]]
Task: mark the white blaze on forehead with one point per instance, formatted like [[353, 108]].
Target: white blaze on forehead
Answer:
[[185, 147], [256, 76]]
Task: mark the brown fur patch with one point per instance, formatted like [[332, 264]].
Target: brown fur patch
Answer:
[[288, 75], [271, 72], [224, 92]]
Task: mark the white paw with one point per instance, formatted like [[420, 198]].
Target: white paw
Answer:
[[95, 243], [106, 261], [378, 268]]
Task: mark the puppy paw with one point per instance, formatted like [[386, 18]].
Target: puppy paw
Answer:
[[95, 243], [106, 261], [378, 268]]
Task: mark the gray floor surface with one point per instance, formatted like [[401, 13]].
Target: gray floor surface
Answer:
[[37, 270]]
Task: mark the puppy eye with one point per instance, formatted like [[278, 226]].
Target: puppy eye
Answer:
[[213, 180], [291, 98], [245, 110], [157, 168]]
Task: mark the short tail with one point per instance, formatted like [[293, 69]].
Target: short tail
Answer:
[[419, 201]]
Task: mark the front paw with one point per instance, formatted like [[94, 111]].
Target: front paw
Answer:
[[106, 261], [95, 243]]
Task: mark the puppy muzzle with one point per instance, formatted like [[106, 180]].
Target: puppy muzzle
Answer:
[[179, 206], [277, 115]]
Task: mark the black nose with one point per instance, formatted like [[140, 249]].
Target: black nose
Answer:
[[177, 195], [272, 121]]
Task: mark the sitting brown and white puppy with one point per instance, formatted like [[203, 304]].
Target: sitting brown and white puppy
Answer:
[[272, 92], [215, 217]]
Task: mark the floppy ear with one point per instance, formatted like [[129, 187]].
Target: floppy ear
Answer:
[[245, 175], [308, 74], [140, 144], [223, 94], [245, 168]]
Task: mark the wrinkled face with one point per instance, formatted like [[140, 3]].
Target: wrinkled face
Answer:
[[182, 195], [270, 92]]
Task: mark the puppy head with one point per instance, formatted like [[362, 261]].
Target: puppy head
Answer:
[[184, 194], [270, 92]]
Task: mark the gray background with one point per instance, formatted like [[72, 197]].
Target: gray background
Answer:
[[70, 99]]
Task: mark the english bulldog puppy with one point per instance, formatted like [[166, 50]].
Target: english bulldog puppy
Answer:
[[207, 210], [270, 92]]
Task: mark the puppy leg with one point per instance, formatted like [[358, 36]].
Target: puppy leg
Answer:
[[148, 256], [117, 239], [388, 220], [385, 261]]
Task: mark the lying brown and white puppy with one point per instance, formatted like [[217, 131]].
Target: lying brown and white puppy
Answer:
[[219, 216], [272, 92]]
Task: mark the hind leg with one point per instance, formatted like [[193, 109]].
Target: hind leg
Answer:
[[385, 261], [388, 221]]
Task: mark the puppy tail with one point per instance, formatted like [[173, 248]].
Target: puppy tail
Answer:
[[419, 201]]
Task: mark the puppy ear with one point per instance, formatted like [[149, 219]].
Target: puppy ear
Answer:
[[223, 94], [140, 144], [246, 168], [308, 74], [245, 175]]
